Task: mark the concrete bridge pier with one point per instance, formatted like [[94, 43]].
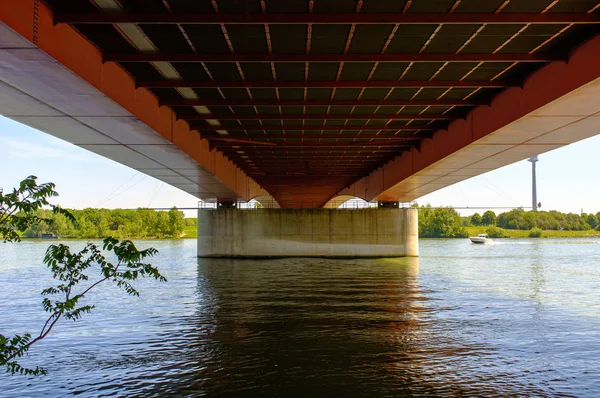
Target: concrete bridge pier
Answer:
[[350, 233]]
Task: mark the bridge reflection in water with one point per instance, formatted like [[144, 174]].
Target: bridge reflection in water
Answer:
[[310, 327], [514, 318]]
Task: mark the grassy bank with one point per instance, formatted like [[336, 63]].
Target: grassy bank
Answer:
[[515, 233], [190, 231]]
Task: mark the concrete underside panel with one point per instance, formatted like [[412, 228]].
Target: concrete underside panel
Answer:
[[308, 233], [558, 105], [60, 86]]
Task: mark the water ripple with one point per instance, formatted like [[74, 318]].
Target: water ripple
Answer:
[[507, 320]]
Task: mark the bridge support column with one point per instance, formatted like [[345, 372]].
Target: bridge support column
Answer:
[[384, 232]]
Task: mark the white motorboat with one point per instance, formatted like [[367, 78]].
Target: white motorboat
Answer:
[[481, 238]]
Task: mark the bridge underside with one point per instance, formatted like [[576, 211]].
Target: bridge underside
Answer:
[[303, 100]]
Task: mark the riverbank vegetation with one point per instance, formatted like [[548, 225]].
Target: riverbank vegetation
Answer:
[[517, 223], [441, 222], [119, 223], [444, 222], [517, 233]]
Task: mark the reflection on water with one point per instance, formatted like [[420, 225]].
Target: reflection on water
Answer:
[[309, 327], [506, 319]]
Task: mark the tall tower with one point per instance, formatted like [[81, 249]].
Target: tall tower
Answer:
[[534, 201]]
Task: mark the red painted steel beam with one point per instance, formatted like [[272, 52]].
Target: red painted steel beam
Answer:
[[297, 159], [347, 162], [226, 103], [323, 148], [320, 169], [300, 58], [309, 135], [286, 156], [339, 154], [174, 83], [300, 165], [361, 164], [239, 141], [302, 168], [312, 128], [314, 168], [350, 161], [308, 173], [323, 18], [319, 144], [281, 150], [312, 175], [330, 116]]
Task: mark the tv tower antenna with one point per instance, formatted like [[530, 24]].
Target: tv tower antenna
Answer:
[[534, 202]]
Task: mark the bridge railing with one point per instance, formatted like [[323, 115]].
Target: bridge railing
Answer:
[[299, 204]]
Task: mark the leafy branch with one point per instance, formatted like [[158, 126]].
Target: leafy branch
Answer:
[[69, 269], [62, 300], [17, 208]]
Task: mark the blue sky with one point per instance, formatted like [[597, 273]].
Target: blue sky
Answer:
[[567, 177]]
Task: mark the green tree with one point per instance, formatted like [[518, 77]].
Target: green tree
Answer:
[[590, 219], [19, 211], [162, 224], [476, 219], [440, 223], [175, 222], [488, 218]]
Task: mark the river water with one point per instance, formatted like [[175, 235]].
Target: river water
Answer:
[[519, 317]]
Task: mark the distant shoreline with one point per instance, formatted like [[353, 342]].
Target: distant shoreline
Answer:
[[546, 234]]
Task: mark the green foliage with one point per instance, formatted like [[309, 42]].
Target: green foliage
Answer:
[[70, 270], [465, 221], [100, 223], [190, 222], [545, 220], [476, 219], [517, 233], [535, 232], [440, 223], [175, 222], [13, 348], [591, 220], [18, 209], [495, 232], [488, 218]]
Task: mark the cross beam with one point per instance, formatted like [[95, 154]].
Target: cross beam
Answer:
[[176, 83], [274, 102], [316, 135], [312, 128], [460, 57], [283, 151], [331, 116], [324, 18], [312, 175], [396, 142]]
